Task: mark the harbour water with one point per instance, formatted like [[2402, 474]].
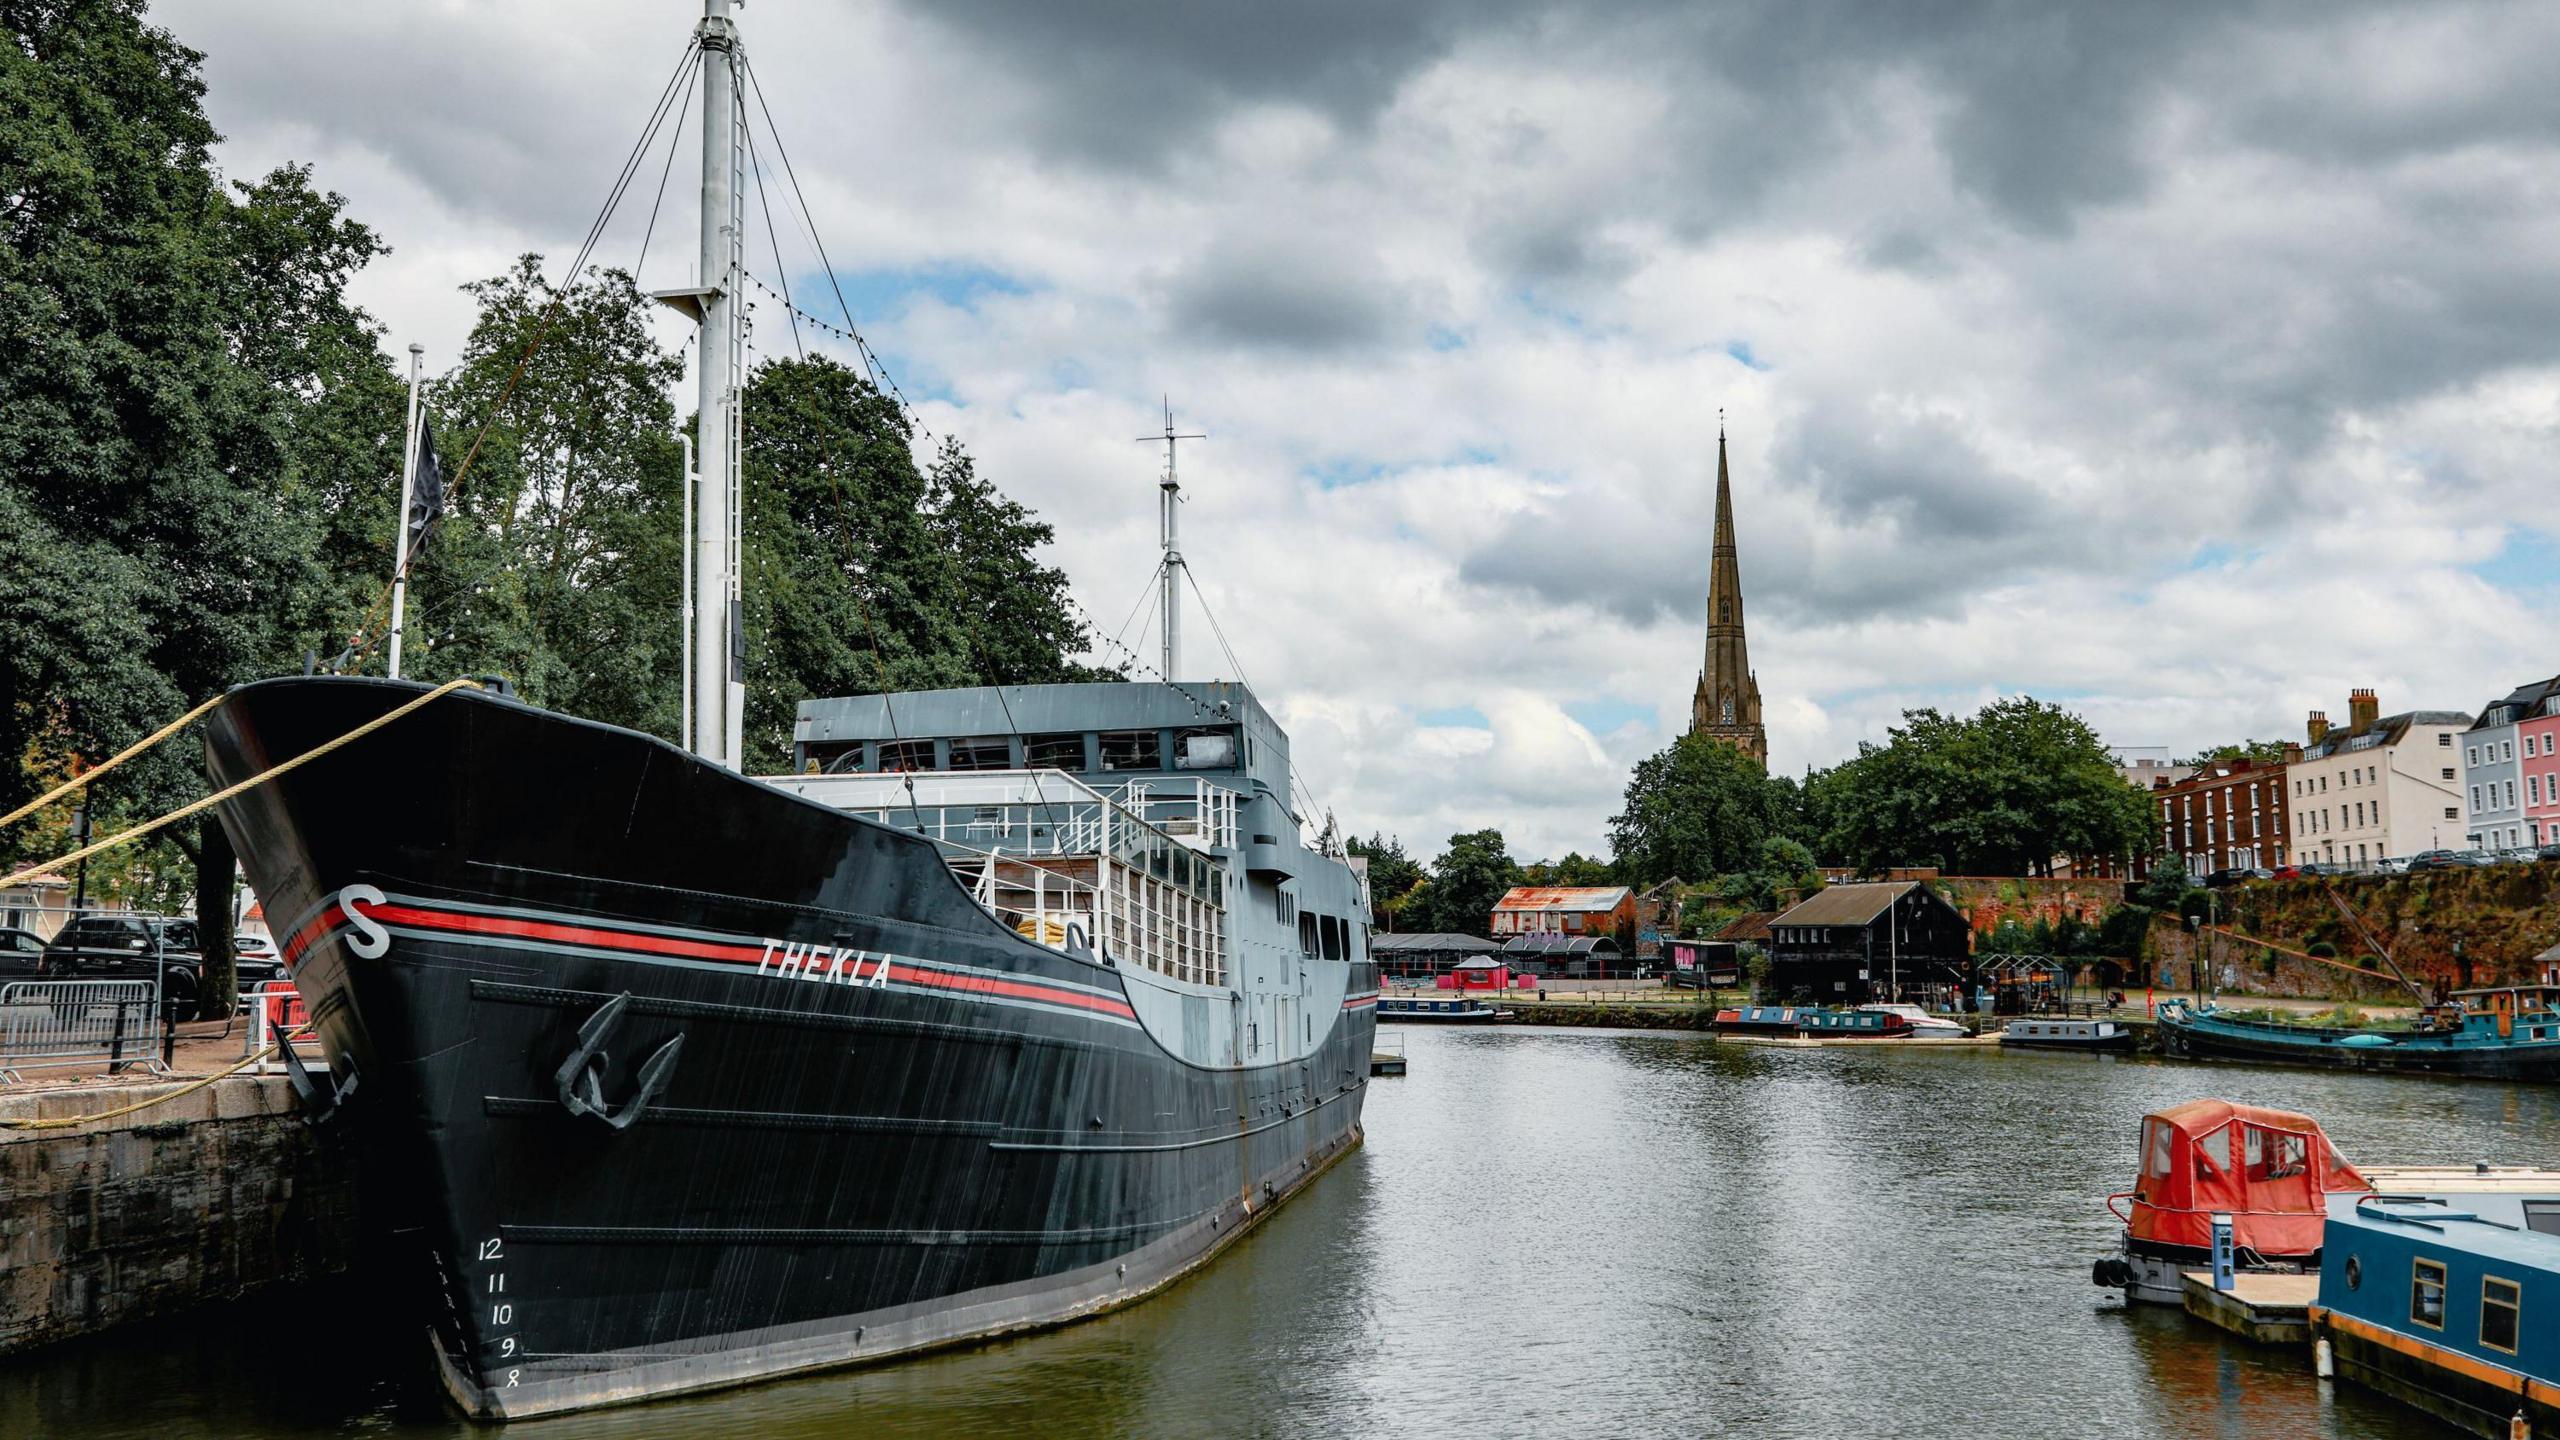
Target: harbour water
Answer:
[[1550, 1232]]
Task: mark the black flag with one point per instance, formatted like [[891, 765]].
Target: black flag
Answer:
[[426, 496]]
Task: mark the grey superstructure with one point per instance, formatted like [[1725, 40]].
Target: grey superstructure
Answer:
[[1150, 821]]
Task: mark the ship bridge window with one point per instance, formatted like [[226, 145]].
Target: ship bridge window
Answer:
[[1205, 749], [1053, 752], [1131, 750], [897, 756], [1306, 933], [2542, 1216], [986, 752]]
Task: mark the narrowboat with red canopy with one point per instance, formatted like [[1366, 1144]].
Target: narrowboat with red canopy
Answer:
[[2271, 1171]]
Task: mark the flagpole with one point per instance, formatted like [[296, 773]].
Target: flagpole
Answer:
[[408, 487]]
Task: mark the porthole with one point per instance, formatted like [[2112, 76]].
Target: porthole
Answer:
[[2355, 1273]]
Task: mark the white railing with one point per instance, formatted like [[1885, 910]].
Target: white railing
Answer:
[[1006, 832]]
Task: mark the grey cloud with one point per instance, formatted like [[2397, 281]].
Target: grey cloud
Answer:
[[1289, 292]]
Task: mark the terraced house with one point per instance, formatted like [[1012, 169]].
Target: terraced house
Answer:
[[2378, 787], [2495, 753], [2229, 814]]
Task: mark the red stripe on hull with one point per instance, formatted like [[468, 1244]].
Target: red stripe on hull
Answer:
[[630, 942]]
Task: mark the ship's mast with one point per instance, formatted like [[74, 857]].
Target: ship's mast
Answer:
[[1172, 571], [719, 669]]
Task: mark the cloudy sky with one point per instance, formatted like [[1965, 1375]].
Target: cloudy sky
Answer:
[[2185, 364]]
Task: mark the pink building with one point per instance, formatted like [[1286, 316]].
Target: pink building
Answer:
[[2538, 756]]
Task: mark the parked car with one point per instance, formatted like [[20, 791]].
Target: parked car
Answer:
[[2232, 876], [2426, 860], [132, 947], [254, 962], [2294, 872], [2390, 865], [2548, 852], [21, 954], [2515, 855]]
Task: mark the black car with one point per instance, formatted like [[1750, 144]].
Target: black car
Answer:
[[2234, 876], [21, 954], [2433, 860], [132, 947], [2548, 852]]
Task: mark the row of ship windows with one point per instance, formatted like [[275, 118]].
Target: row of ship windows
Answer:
[[1209, 747], [2501, 1306]]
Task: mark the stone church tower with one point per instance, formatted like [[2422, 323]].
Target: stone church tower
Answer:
[[1727, 703]]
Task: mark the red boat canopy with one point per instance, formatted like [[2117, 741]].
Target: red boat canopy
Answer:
[[2267, 1169]]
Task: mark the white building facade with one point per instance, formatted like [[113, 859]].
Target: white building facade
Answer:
[[2379, 787]]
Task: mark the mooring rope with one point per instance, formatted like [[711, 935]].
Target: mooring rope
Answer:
[[182, 812], [90, 776]]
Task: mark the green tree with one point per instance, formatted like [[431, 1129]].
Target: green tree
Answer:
[[558, 563], [1463, 885], [1394, 877], [2005, 792], [1575, 868], [184, 387], [867, 573], [1698, 808], [2260, 751]]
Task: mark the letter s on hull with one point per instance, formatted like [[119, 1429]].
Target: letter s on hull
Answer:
[[370, 939]]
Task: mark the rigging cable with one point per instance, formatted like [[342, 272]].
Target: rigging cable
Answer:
[[366, 635], [871, 360]]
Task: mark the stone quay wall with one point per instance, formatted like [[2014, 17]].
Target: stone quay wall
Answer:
[[208, 1196]]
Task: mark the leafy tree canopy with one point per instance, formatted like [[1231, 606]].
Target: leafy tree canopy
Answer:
[[1699, 808], [2004, 792], [1458, 895], [1394, 877], [2262, 751]]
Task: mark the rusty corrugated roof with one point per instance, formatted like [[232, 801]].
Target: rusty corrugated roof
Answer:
[[1564, 897]]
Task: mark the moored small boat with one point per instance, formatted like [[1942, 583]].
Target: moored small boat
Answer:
[[1761, 1019], [1462, 1008], [2095, 1036], [1862, 1024], [2446, 1303], [1923, 1024], [2270, 1170]]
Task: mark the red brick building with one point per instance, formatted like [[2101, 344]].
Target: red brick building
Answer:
[[2229, 814]]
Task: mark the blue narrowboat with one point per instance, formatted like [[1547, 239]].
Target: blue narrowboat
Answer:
[[1854, 1024], [2447, 1303], [1812, 1021]]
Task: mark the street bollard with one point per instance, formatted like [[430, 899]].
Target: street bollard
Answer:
[[2222, 1253]]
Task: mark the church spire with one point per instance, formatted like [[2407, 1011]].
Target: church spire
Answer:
[[1727, 702]]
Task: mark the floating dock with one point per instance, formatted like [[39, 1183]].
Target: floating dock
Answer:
[[2267, 1309]]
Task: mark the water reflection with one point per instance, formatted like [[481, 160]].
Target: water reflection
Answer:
[[1549, 1233]]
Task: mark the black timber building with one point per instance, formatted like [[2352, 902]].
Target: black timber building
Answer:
[[1851, 944]]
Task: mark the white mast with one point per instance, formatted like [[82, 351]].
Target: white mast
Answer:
[[400, 533], [1170, 487], [718, 678]]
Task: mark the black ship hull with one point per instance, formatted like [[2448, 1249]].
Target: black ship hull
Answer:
[[678, 1081]]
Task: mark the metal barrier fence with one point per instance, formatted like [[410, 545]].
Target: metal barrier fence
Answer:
[[47, 1024], [276, 1014]]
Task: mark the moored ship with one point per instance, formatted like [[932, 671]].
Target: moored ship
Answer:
[[2503, 1033], [1003, 1007]]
